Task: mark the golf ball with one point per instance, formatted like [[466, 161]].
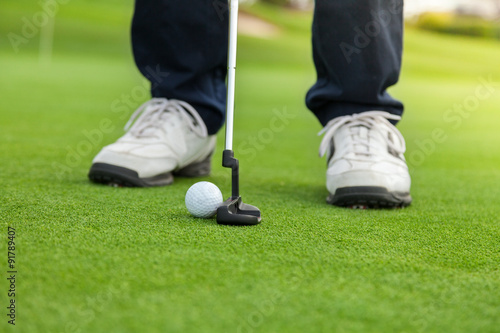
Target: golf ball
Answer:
[[203, 199]]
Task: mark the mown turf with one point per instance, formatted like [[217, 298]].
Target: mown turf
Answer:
[[101, 259]]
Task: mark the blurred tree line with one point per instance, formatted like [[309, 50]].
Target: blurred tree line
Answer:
[[308, 3], [290, 3], [478, 18]]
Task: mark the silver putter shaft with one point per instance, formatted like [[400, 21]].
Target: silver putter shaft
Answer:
[[233, 211], [231, 71]]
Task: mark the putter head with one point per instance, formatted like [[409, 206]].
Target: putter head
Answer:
[[234, 212]]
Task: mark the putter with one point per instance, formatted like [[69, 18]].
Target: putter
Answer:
[[233, 211]]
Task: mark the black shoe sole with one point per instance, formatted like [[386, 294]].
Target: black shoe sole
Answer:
[[113, 175], [368, 197]]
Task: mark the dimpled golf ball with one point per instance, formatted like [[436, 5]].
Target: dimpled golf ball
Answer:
[[202, 199]]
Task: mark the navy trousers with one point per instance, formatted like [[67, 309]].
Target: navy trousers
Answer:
[[181, 47]]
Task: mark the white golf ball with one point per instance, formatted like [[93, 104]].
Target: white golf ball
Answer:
[[203, 199]]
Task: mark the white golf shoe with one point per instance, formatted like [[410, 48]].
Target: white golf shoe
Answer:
[[366, 166], [164, 138]]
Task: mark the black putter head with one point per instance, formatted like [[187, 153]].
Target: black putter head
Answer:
[[234, 212]]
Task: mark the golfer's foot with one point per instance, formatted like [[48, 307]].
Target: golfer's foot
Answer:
[[366, 166], [164, 138]]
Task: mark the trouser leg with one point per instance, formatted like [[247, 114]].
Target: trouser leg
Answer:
[[357, 50], [181, 47]]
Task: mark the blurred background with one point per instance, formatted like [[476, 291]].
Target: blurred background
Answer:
[[68, 85], [31, 24], [67, 65]]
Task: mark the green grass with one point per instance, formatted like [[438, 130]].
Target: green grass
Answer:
[[101, 259]]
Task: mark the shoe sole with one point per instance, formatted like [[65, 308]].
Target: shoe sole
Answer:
[[368, 197], [113, 175]]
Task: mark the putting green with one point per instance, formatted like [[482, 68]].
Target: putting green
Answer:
[[91, 258]]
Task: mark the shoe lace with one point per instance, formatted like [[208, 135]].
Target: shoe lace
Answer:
[[369, 120], [158, 111]]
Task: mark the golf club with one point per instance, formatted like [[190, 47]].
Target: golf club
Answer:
[[233, 211]]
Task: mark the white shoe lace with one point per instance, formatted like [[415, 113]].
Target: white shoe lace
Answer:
[[369, 120], [157, 111]]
